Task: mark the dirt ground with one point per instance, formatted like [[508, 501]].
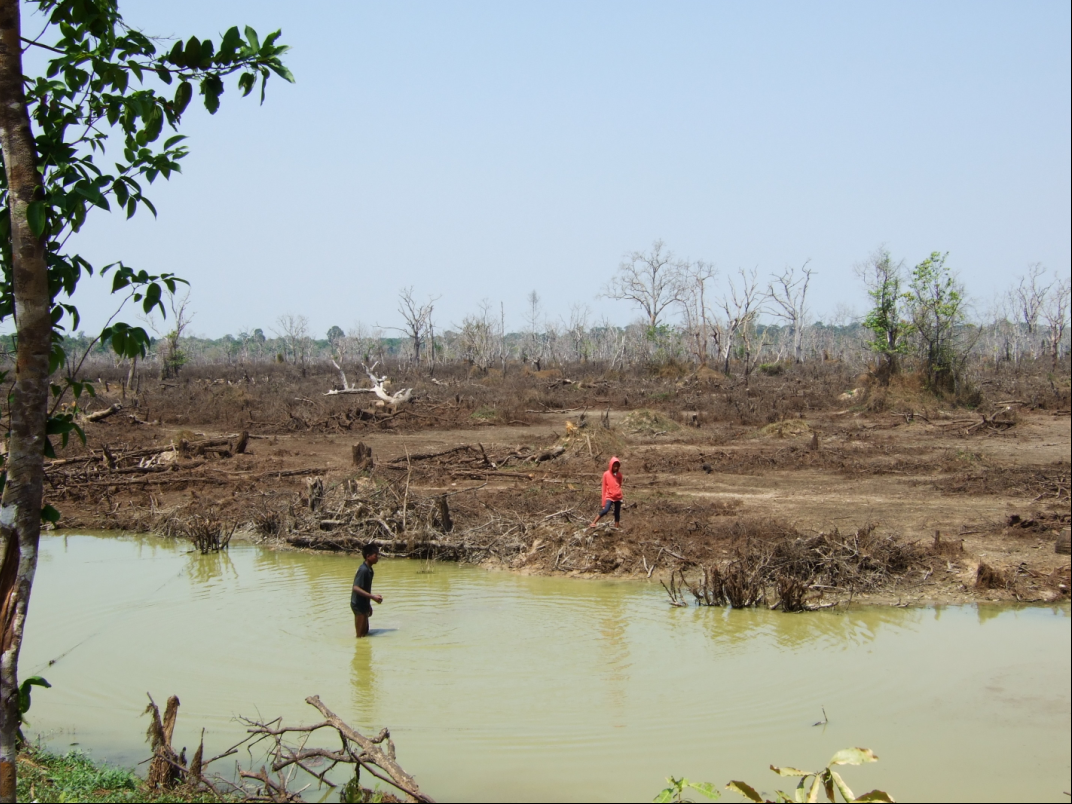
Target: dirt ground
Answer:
[[973, 508]]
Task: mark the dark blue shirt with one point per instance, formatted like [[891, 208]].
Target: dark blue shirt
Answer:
[[363, 580]]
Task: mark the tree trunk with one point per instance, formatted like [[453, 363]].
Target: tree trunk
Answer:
[[20, 508]]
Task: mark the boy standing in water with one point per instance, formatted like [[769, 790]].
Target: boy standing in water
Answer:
[[612, 493], [361, 598]]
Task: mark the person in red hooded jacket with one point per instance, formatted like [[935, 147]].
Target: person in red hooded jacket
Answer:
[[612, 493]]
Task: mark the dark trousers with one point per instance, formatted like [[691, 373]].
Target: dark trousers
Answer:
[[617, 505]]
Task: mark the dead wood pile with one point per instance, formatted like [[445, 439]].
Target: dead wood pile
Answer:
[[289, 759], [792, 572], [177, 463]]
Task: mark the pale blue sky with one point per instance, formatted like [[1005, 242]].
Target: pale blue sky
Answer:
[[480, 150]]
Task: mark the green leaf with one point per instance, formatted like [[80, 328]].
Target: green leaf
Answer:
[[177, 55], [277, 67], [208, 50], [853, 756], [229, 45], [152, 298], [789, 771], [37, 217], [816, 788], [212, 88], [665, 796], [183, 93], [875, 795], [746, 790], [24, 691], [844, 788], [192, 53], [50, 514], [171, 142], [706, 789], [251, 38]]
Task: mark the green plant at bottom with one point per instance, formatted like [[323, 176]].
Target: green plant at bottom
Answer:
[[677, 788], [813, 783]]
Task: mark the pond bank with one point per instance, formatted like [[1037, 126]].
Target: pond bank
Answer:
[[44, 776]]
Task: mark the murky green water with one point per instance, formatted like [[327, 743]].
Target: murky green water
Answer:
[[500, 687]]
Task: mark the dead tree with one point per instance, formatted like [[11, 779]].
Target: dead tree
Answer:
[[651, 280], [294, 332], [694, 306], [1056, 315], [418, 318], [789, 292], [1029, 298], [741, 305]]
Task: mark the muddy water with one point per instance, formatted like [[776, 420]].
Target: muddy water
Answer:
[[500, 687]]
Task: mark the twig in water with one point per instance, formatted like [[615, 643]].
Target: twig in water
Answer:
[[825, 719]]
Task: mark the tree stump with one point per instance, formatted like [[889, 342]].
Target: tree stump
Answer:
[[1063, 545], [163, 772], [444, 515], [362, 456], [241, 444], [316, 492]]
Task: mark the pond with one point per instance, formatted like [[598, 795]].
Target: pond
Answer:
[[505, 687]]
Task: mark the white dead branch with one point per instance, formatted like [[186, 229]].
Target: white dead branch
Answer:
[[378, 383]]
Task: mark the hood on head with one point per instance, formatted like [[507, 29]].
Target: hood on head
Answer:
[[610, 465]]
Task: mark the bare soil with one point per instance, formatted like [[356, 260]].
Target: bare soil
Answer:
[[973, 501]]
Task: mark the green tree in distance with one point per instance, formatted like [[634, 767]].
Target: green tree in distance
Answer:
[[936, 305], [106, 90], [889, 331]]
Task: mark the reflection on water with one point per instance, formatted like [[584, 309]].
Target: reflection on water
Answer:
[[501, 686]]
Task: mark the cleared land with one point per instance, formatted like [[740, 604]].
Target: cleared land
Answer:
[[786, 491]]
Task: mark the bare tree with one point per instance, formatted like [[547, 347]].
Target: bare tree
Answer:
[[533, 341], [694, 307], [1056, 314], [651, 280], [741, 306], [1028, 298], [418, 318], [789, 293], [578, 332], [172, 357], [294, 332], [477, 338]]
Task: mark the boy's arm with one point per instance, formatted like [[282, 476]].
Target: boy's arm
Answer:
[[369, 595]]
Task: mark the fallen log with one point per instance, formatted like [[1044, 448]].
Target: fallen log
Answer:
[[547, 455], [476, 474], [101, 415], [424, 456]]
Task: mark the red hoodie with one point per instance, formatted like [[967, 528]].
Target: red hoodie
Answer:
[[612, 482]]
